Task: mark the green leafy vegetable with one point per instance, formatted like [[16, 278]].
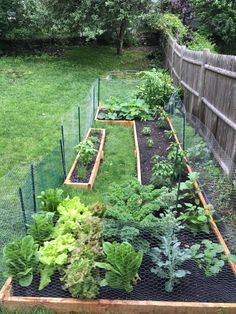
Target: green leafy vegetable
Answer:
[[168, 259], [42, 228], [53, 255], [122, 265], [21, 259], [50, 199], [209, 257], [72, 212]]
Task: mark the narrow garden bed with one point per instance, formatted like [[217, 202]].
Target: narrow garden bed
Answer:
[[87, 179]]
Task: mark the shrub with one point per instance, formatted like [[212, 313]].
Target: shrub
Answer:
[[156, 89]]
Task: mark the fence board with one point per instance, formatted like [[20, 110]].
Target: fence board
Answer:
[[209, 83]]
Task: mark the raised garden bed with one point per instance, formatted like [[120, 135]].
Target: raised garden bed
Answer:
[[197, 294], [121, 122], [88, 179]]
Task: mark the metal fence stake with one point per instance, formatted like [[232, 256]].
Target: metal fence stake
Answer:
[[33, 187], [22, 208], [79, 124], [63, 159], [99, 86]]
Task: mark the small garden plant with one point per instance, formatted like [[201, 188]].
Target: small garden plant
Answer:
[[150, 142], [146, 131]]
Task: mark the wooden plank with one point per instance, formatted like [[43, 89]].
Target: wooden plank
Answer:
[[195, 93], [223, 72], [90, 183], [137, 153], [103, 306], [189, 60], [219, 114]]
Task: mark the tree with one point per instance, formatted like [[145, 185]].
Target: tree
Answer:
[[96, 16], [217, 18]]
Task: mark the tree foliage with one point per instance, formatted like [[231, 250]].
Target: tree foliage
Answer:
[[96, 16], [217, 18]]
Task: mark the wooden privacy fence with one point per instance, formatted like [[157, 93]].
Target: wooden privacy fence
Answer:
[[209, 83]]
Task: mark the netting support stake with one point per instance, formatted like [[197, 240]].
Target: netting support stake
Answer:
[[175, 163], [178, 190], [184, 127], [99, 86], [33, 187], [94, 100], [79, 124], [22, 208], [63, 159]]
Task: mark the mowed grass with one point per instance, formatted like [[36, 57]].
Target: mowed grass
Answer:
[[118, 166], [37, 90]]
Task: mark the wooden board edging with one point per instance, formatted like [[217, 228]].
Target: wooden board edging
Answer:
[[204, 204], [119, 122], [100, 155], [103, 306], [137, 153]]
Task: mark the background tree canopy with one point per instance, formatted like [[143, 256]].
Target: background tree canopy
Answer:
[[197, 23]]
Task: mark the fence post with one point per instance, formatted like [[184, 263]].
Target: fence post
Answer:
[[172, 56], [202, 84], [33, 187], [22, 208]]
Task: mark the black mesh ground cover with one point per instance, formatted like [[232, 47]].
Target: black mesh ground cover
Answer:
[[193, 288]]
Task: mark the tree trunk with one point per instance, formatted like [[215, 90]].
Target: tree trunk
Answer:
[[120, 37]]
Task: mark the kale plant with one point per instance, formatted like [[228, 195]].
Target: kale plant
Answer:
[[168, 260], [122, 263]]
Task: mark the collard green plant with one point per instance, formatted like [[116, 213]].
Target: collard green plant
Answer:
[[42, 228], [21, 260], [122, 264], [209, 257], [168, 260], [197, 218], [86, 151], [50, 199]]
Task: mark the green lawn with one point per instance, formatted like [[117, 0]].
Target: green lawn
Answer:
[[37, 90]]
